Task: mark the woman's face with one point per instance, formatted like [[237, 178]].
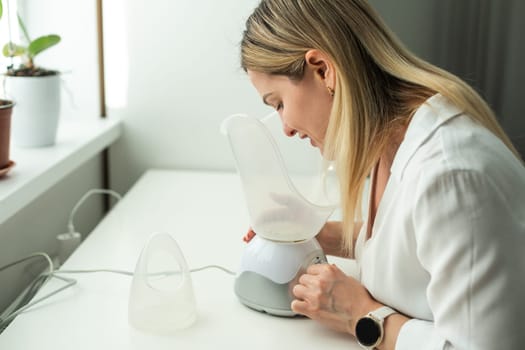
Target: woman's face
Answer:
[[304, 106]]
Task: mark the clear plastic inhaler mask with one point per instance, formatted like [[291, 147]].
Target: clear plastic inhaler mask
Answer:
[[290, 191]]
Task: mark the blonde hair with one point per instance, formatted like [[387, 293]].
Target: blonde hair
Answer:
[[379, 83]]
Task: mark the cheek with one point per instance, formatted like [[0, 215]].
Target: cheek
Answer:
[[318, 113], [308, 110]]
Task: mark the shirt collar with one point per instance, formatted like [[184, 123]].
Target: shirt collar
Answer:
[[428, 117]]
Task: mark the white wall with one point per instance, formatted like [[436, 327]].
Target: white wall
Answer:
[[76, 56], [181, 59]]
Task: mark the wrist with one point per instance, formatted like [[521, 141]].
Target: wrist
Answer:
[[357, 313], [370, 328], [392, 327]]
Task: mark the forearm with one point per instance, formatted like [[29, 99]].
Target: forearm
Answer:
[[392, 327], [357, 229], [331, 239]]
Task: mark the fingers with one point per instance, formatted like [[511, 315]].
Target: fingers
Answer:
[[315, 287], [300, 307], [309, 286], [249, 235], [328, 295], [318, 269], [300, 291], [308, 279]]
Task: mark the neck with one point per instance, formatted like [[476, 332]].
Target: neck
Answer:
[[394, 141]]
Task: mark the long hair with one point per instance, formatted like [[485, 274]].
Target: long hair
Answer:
[[379, 83]]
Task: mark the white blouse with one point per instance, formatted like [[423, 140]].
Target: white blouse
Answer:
[[448, 242]]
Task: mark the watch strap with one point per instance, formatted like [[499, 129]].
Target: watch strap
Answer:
[[382, 313], [377, 317]]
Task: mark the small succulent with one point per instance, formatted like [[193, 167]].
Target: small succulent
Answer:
[[29, 52]]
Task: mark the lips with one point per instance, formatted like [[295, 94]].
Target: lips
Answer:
[[304, 136]]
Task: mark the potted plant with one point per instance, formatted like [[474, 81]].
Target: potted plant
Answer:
[[35, 90], [6, 107]]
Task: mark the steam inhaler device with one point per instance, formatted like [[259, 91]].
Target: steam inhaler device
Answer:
[[286, 209]]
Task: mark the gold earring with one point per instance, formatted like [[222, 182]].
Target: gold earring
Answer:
[[331, 91]]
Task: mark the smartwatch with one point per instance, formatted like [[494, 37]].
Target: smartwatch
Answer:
[[369, 329]]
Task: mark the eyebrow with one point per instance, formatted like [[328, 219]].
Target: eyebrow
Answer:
[[264, 98]]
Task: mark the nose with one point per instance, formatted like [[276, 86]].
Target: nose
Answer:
[[289, 131]]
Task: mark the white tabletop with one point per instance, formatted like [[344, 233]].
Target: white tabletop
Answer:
[[205, 213]]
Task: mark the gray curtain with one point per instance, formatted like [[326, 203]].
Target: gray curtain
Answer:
[[482, 41]]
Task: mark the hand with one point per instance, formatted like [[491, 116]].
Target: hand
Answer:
[[249, 235], [327, 295]]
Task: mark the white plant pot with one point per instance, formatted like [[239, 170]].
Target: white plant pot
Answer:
[[35, 117]]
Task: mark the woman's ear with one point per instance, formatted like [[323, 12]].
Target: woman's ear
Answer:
[[322, 65]]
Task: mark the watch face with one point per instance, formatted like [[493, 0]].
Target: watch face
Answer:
[[367, 331]]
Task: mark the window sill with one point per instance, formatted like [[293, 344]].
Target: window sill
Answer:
[[38, 169]]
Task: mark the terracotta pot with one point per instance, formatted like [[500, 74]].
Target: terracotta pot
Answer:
[[6, 108]]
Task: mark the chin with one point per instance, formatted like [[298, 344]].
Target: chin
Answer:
[[327, 157]]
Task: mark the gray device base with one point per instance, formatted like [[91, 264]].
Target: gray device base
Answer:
[[262, 294]]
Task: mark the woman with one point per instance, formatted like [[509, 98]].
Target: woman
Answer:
[[441, 250]]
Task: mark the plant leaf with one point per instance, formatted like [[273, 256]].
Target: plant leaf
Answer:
[[42, 43], [1, 9], [13, 50], [23, 27]]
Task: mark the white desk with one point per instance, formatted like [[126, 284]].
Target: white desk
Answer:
[[205, 213]]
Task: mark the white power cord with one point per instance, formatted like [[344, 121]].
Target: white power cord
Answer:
[[129, 273], [70, 226], [7, 316], [68, 242]]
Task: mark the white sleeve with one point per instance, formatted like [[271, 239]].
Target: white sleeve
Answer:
[[418, 334], [470, 237]]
